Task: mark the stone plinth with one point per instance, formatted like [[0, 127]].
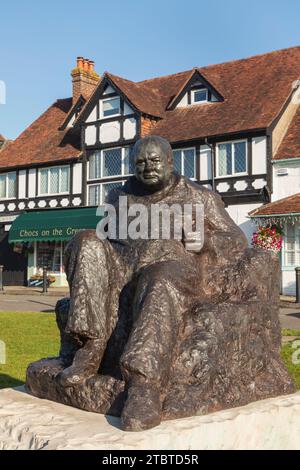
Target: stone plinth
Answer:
[[27, 422]]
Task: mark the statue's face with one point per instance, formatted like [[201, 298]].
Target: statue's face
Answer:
[[152, 167]]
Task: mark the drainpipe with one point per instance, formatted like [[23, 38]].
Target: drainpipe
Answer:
[[212, 153]]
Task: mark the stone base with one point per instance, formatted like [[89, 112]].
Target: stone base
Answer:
[[27, 422]]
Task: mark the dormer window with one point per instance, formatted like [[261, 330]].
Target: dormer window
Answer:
[[110, 107], [199, 96]]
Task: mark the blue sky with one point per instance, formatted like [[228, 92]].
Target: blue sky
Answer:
[[137, 39]]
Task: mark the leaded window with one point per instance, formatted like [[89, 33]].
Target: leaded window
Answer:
[[8, 185], [99, 192], [111, 162], [54, 180], [232, 158], [185, 162]]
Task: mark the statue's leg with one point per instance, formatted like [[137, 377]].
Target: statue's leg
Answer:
[[94, 272], [164, 292]]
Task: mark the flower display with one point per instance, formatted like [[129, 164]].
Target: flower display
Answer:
[[268, 238]]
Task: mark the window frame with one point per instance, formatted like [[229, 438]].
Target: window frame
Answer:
[[182, 160], [233, 174], [194, 91], [117, 97], [8, 198], [102, 176], [49, 168], [296, 251], [100, 183]]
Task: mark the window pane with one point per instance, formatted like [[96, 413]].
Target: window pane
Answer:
[[11, 185], [240, 157], [44, 181], [290, 258], [95, 165], [3, 186], [129, 168], [225, 161], [64, 179], [200, 95], [111, 107], [177, 161], [48, 254], [112, 162], [106, 187], [54, 180], [189, 163], [94, 195]]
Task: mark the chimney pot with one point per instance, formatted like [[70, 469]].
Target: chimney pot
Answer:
[[91, 65], [80, 62], [86, 64]]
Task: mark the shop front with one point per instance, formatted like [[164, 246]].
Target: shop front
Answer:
[[284, 213], [43, 235]]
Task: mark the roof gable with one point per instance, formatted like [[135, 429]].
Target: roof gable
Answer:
[[195, 77]]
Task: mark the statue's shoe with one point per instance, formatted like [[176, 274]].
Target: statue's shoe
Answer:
[[73, 376], [142, 409]]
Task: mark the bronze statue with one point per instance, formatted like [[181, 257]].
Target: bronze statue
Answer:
[[154, 331]]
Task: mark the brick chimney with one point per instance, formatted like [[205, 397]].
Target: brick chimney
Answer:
[[84, 78]]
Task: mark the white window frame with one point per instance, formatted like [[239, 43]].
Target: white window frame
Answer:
[[193, 95], [295, 251], [101, 177], [6, 186], [182, 160], [101, 183], [108, 99], [48, 168], [232, 142]]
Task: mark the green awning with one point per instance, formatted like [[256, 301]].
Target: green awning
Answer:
[[47, 225]]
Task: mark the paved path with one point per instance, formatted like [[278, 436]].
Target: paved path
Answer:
[[28, 303], [290, 318]]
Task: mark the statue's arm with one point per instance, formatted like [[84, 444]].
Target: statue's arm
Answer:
[[222, 236]]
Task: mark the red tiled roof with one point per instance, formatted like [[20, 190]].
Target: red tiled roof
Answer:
[[290, 145], [42, 141], [254, 91], [288, 205]]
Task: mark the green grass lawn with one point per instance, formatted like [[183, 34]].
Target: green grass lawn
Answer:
[[31, 336], [28, 337]]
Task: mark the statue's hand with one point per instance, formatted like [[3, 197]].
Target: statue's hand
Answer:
[[193, 241]]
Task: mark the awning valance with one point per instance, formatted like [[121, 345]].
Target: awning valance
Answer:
[[55, 224]]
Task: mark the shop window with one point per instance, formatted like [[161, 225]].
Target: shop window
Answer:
[[49, 254]]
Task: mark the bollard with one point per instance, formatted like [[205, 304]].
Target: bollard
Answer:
[[45, 283], [1, 278], [297, 284]]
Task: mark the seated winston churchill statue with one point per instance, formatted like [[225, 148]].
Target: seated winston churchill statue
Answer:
[[162, 328]]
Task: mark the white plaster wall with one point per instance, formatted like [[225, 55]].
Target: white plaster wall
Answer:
[[93, 115], [205, 163], [127, 109], [71, 122], [77, 178], [287, 185], [109, 89], [239, 213], [22, 184], [288, 282], [32, 182], [183, 102], [259, 155], [109, 132], [129, 128], [90, 135]]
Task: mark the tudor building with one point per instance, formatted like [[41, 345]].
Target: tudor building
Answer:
[[226, 124]]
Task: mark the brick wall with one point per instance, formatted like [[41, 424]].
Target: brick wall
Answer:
[[84, 83], [147, 125]]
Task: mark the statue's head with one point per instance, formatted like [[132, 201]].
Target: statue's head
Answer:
[[153, 159]]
